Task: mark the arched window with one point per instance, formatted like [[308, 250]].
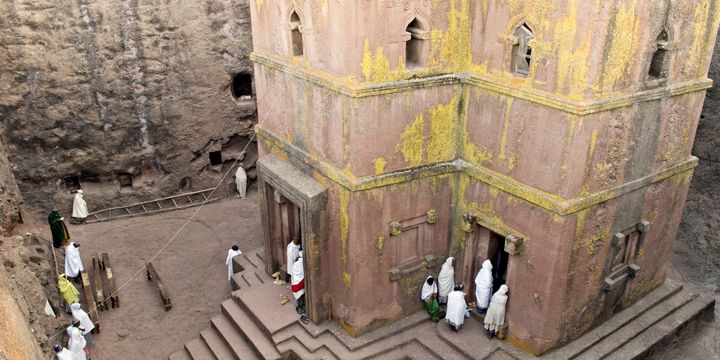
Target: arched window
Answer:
[[521, 51], [296, 34], [658, 68], [415, 45]]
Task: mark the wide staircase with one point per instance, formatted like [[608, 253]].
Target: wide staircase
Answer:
[[255, 324]]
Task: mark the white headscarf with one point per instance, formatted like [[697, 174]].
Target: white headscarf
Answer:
[[79, 206], [298, 277], [65, 354], [446, 279], [428, 289], [293, 252], [495, 316], [484, 285], [456, 307], [241, 181], [228, 261], [81, 316], [73, 262]]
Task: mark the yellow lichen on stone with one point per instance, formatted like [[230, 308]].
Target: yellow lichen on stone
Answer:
[[379, 165], [572, 62], [344, 224], [456, 52], [623, 41], [506, 127], [441, 140], [411, 141], [477, 156], [347, 279], [367, 61], [381, 66]]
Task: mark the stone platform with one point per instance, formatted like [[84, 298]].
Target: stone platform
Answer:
[[254, 325]]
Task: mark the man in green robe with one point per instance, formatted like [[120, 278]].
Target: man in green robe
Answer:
[[59, 231]]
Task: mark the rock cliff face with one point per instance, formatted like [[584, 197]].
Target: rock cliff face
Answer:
[[10, 198], [127, 99]]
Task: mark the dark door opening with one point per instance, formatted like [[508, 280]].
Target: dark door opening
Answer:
[[284, 225], [499, 258]]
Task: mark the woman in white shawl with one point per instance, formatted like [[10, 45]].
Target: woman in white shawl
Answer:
[[87, 324], [241, 181], [73, 262], [495, 317], [77, 342], [446, 280], [484, 287], [456, 308], [80, 211], [233, 252], [428, 295]]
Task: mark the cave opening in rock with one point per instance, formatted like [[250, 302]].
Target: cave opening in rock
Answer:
[[242, 85], [72, 182], [215, 158], [125, 180]]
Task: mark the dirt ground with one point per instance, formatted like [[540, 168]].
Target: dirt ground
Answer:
[[192, 267]]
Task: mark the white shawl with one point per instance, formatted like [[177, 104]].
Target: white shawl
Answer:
[[79, 206], [446, 279], [241, 181], [495, 316], [298, 278], [66, 354], [293, 252], [81, 316], [73, 262], [484, 285], [427, 289], [77, 343], [229, 263], [456, 308]]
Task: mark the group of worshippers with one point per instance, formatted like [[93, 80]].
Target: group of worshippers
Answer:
[[80, 330], [296, 274], [446, 296]]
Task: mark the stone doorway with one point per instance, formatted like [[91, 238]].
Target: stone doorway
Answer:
[[291, 203], [483, 244]]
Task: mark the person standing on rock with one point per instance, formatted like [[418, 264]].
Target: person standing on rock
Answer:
[[59, 231], [446, 280], [62, 353], [81, 316], [484, 287], [298, 287], [241, 181], [73, 262], [233, 252], [495, 317], [80, 211], [68, 291], [292, 253]]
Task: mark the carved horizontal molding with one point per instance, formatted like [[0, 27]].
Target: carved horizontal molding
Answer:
[[349, 88], [551, 202]]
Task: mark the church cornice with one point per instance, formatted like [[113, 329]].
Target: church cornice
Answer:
[[551, 202], [349, 87]]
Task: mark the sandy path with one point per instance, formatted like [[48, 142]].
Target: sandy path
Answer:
[[192, 267]]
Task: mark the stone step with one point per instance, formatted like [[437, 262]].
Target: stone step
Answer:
[[216, 344], [238, 282], [238, 346], [623, 335], [243, 262], [198, 350], [180, 355], [412, 350], [252, 278], [298, 350], [296, 334], [253, 334], [666, 329], [578, 346]]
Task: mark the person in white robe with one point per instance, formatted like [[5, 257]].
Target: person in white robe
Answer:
[[293, 252], [298, 284], [233, 252], [241, 181], [446, 280], [484, 287], [80, 211], [495, 317], [62, 353], [428, 295], [73, 262], [77, 343], [456, 308], [85, 322]]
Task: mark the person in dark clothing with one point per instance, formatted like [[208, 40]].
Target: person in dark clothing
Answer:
[[59, 231]]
